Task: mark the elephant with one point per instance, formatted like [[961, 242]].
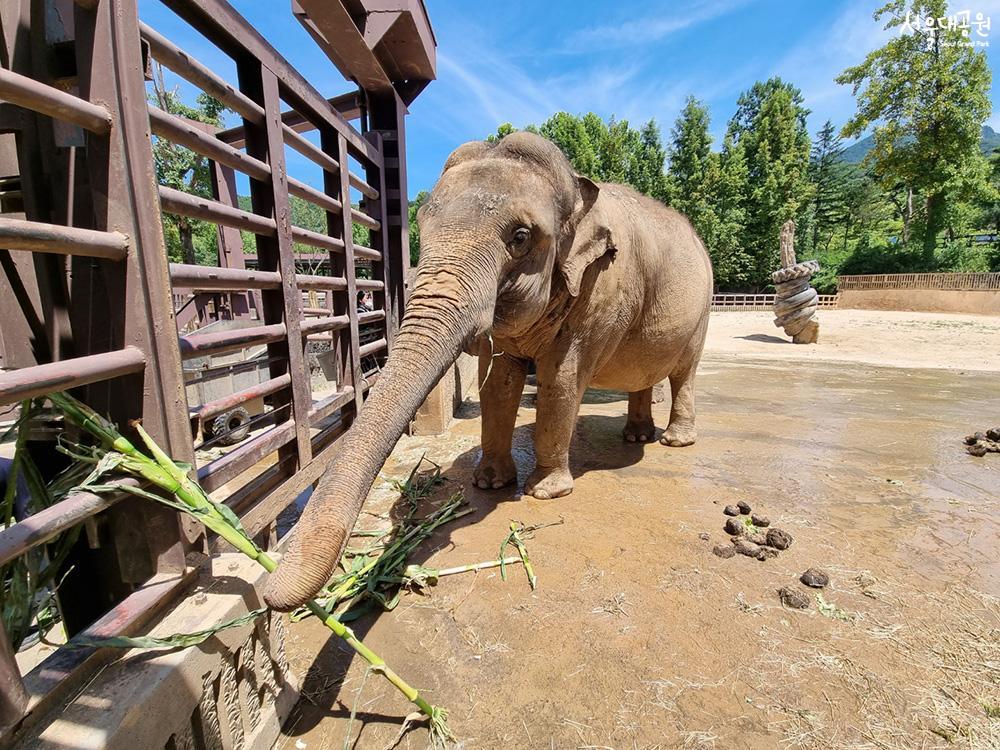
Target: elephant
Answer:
[[524, 261]]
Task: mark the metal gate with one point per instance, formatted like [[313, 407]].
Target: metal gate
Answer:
[[87, 295]]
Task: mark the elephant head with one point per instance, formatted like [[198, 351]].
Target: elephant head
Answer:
[[505, 227]]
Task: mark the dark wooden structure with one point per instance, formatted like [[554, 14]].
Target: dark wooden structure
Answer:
[[88, 299]]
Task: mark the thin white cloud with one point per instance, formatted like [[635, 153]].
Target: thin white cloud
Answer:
[[650, 28]]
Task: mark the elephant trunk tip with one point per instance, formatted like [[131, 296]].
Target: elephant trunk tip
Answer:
[[302, 573]]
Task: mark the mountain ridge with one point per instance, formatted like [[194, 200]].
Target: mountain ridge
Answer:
[[856, 152]]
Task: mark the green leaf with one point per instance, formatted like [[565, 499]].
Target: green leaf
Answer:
[[177, 640]]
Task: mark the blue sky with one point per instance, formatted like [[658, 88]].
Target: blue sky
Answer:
[[522, 60]]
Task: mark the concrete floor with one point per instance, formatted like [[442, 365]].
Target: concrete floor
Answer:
[[639, 637]]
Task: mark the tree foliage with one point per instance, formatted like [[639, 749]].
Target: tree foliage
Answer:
[[188, 240], [925, 95], [770, 124]]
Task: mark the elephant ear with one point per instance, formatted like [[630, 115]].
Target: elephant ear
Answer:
[[591, 239]]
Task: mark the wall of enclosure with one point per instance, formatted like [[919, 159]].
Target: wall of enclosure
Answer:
[[976, 293], [90, 302]]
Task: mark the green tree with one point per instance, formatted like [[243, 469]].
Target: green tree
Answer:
[[691, 168], [617, 157], [770, 124], [727, 185], [569, 134], [829, 177], [414, 206], [504, 129], [925, 95], [652, 180], [188, 240]]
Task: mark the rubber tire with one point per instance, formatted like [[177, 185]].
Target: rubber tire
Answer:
[[801, 270], [231, 427]]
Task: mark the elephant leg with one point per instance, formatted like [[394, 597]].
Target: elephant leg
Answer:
[[501, 381], [681, 431], [560, 388], [639, 427]]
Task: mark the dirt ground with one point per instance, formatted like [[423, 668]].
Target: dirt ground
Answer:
[[639, 637], [896, 339]]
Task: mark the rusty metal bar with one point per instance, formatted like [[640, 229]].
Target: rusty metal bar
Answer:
[[313, 195], [184, 133], [34, 95], [29, 382], [374, 284], [221, 405], [325, 407], [46, 524], [365, 220], [184, 204], [13, 695], [360, 251], [363, 187], [291, 299], [194, 72], [305, 281], [211, 279], [374, 346], [379, 208], [35, 236], [219, 342], [350, 339], [331, 323], [312, 152], [221, 22], [348, 105], [315, 239], [373, 316], [216, 473]]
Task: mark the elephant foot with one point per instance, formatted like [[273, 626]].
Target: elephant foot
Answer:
[[494, 472], [639, 431], [546, 484], [678, 436]]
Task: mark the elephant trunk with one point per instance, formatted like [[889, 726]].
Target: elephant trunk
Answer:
[[450, 304]]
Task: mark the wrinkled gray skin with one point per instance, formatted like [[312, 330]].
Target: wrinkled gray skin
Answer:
[[523, 260]]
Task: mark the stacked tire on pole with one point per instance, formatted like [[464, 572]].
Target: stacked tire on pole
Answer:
[[795, 300]]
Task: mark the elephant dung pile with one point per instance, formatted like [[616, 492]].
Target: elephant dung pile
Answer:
[[980, 443], [795, 301], [751, 535]]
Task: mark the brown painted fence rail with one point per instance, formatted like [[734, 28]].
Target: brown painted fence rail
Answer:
[[121, 326], [758, 302], [941, 281]]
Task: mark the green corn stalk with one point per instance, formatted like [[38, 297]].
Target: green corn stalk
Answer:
[[26, 582], [418, 575], [379, 578], [162, 472]]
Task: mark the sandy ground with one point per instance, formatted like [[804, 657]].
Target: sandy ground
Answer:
[[897, 339], [639, 637]]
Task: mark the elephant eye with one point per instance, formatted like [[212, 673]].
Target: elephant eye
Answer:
[[519, 239]]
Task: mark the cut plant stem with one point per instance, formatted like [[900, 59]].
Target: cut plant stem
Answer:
[[476, 566], [165, 474], [419, 575], [514, 537], [523, 552]]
